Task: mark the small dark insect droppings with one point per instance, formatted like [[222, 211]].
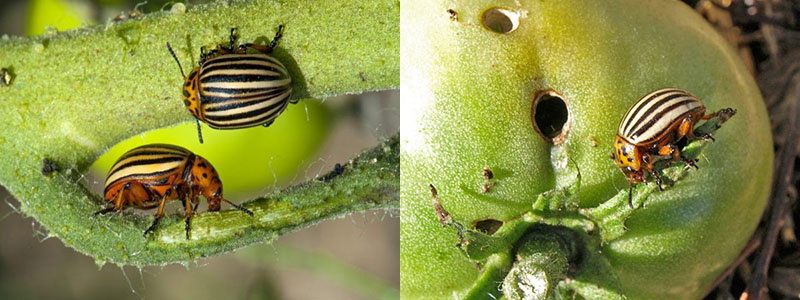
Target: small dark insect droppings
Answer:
[[363, 77], [453, 15], [337, 170], [488, 174], [48, 167], [488, 185], [5, 77]]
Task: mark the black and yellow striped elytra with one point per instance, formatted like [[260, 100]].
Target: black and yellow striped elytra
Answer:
[[655, 114], [233, 89], [147, 176], [652, 128]]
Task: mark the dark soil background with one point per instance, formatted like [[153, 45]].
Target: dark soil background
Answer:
[[766, 34]]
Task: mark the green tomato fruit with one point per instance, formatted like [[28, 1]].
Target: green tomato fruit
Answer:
[[470, 73]]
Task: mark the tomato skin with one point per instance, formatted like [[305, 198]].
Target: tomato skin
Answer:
[[467, 95]]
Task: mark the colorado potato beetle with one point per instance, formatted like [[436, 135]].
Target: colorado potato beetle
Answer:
[[651, 129], [232, 89], [147, 176]]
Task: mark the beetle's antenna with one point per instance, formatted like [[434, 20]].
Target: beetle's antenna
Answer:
[[244, 210], [199, 134], [179, 66]]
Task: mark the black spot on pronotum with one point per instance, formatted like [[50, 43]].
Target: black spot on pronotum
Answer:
[[500, 20], [186, 102], [201, 164], [550, 115], [488, 226], [205, 175], [48, 166]]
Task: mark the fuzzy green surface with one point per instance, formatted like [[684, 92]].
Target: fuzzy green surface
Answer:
[[467, 95], [75, 94]]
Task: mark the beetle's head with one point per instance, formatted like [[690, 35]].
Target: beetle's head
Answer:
[[191, 85], [190, 98], [628, 159], [206, 180]]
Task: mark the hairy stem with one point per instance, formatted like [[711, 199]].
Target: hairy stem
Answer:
[[73, 95]]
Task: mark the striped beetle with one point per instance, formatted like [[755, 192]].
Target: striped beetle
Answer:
[[147, 176], [232, 89], [651, 130]]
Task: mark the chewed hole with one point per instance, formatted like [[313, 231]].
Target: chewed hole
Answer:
[[550, 116], [487, 226], [500, 20]]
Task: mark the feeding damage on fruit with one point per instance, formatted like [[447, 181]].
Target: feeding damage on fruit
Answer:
[[441, 214], [488, 226], [550, 116], [500, 20]]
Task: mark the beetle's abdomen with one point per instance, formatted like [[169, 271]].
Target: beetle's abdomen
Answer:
[[656, 114], [243, 90], [152, 164]]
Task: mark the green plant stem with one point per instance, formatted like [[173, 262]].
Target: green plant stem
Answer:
[[542, 263], [75, 94]]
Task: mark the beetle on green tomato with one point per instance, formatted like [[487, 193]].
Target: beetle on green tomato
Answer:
[[651, 130]]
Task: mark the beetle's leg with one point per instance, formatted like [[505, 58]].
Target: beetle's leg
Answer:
[[655, 175], [220, 50], [203, 56], [723, 115], [277, 37], [685, 129], [232, 39], [242, 49], [707, 136], [104, 211], [689, 162], [159, 213], [187, 206], [668, 150], [263, 49], [117, 202]]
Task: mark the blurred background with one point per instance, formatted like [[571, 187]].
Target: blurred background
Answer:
[[355, 257]]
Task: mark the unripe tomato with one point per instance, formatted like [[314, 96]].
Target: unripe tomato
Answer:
[[468, 93]]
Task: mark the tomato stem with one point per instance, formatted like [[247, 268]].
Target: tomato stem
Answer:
[[542, 260]]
